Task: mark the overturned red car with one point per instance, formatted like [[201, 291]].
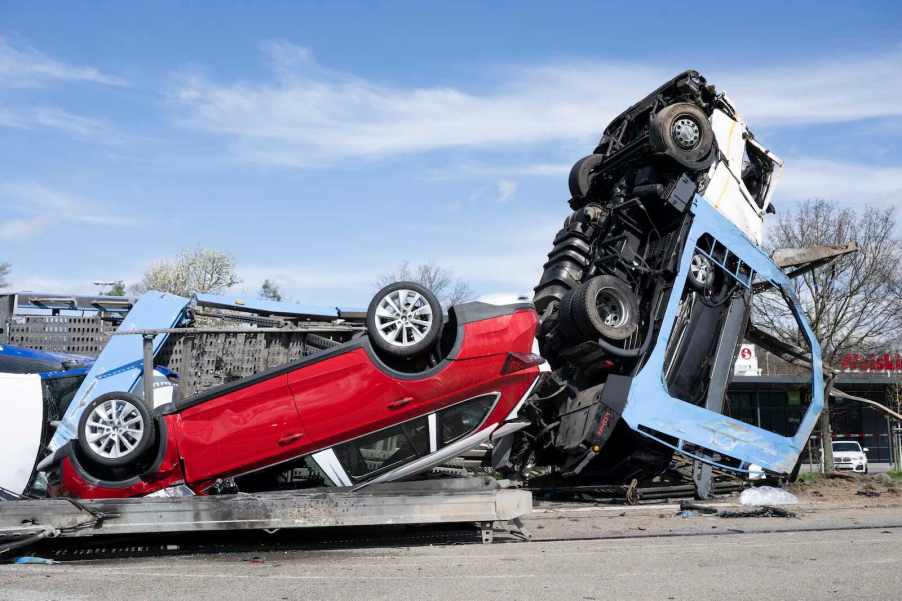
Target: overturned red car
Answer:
[[418, 387]]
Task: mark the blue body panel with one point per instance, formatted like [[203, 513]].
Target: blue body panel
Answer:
[[77, 371], [119, 365], [274, 307], [14, 353], [266, 306], [651, 406]]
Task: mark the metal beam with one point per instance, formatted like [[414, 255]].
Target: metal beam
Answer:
[[806, 259], [793, 257], [401, 503]]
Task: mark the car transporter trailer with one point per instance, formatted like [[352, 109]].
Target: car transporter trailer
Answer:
[[483, 501]]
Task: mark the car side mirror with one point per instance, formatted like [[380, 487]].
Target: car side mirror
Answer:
[[865, 449]]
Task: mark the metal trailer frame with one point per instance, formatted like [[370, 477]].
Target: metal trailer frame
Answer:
[[482, 501]]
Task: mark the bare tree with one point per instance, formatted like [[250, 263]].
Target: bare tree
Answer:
[[853, 305], [191, 272], [270, 291], [448, 289], [5, 268]]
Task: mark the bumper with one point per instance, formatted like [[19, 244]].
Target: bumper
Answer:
[[855, 467]]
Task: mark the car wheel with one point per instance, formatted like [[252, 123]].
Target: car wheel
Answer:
[[115, 429], [682, 132], [605, 306], [865, 469], [701, 272], [404, 319]]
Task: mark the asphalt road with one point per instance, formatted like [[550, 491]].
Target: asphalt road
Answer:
[[860, 564]]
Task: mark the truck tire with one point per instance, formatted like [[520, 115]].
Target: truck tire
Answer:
[[604, 306], [582, 174], [682, 132]]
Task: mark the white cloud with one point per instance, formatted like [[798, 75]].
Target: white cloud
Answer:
[[58, 119], [818, 91], [39, 207], [840, 181], [22, 228], [306, 115], [26, 67]]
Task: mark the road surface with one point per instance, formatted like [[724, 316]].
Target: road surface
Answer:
[[586, 555]]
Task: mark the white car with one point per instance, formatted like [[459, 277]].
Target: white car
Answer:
[[848, 455]]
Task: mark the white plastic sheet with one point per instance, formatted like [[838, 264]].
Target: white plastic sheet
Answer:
[[767, 495]]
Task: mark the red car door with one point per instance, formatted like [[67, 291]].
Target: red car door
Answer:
[[345, 396], [234, 432]]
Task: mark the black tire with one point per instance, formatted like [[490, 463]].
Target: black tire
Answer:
[[682, 132], [582, 174], [605, 306], [393, 341], [129, 408], [701, 273]]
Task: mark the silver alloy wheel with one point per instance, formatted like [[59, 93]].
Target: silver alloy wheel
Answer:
[[686, 133], [612, 309], [114, 428], [403, 317], [700, 269]]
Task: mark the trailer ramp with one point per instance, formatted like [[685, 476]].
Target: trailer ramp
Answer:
[[482, 501]]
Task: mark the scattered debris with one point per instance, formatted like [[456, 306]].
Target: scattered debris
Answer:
[[30, 559], [704, 509], [868, 491], [767, 495], [765, 511]]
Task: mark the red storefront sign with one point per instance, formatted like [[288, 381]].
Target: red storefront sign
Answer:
[[859, 362]]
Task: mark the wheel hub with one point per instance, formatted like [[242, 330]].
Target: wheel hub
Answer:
[[403, 317], [611, 308], [700, 269], [686, 133], [114, 428]]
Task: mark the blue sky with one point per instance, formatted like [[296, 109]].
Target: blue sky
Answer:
[[323, 143]]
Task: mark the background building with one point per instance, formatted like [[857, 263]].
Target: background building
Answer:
[[769, 393]]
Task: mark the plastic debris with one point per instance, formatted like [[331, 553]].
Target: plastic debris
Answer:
[[767, 495], [30, 559]]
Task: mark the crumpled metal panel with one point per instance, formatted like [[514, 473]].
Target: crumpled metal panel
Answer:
[[651, 406]]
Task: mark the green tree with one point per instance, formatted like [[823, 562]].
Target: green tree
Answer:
[[5, 268], [270, 291], [116, 289]]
